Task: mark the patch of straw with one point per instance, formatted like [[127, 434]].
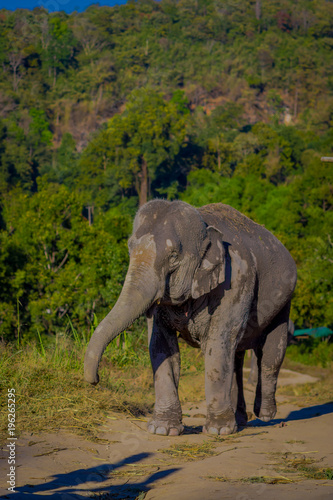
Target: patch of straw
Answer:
[[190, 452]]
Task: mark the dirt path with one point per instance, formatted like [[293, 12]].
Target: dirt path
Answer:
[[291, 453]]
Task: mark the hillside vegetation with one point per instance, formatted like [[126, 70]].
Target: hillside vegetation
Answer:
[[206, 101]]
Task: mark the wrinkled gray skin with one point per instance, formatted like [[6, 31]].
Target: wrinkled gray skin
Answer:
[[224, 283], [253, 377]]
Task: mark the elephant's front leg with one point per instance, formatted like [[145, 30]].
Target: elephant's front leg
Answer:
[[219, 370], [165, 360]]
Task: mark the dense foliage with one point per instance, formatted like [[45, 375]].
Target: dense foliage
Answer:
[[204, 100]]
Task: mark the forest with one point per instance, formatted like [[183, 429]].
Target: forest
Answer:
[[200, 100]]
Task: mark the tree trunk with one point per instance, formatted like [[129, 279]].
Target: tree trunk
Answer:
[[258, 9], [14, 81], [296, 103], [143, 193]]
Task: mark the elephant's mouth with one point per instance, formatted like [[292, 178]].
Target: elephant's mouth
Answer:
[[177, 289], [169, 301], [173, 299]]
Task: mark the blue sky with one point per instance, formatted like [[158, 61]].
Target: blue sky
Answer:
[[55, 5]]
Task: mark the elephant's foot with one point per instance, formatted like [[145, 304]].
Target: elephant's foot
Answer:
[[265, 410], [216, 430], [220, 421], [165, 427], [220, 426]]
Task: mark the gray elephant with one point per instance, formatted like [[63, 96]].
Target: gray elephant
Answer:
[[253, 377], [225, 284]]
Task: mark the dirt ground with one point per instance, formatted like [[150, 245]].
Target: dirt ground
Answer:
[[281, 459]]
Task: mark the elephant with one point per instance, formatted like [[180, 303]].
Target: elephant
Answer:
[[220, 281], [253, 377]]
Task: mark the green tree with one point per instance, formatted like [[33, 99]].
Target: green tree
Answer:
[[16, 167], [137, 144], [64, 163], [55, 264], [59, 48]]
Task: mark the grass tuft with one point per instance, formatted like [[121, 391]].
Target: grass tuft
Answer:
[[253, 479], [266, 479], [190, 452], [287, 463], [130, 492]]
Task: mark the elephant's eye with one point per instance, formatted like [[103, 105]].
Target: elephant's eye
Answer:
[[173, 259]]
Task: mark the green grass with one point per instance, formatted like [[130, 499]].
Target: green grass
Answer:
[[312, 352]]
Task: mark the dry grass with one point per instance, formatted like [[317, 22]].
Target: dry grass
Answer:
[[253, 479], [134, 470], [236, 438], [192, 379], [290, 469], [190, 452], [139, 495], [266, 479], [301, 466], [51, 393]]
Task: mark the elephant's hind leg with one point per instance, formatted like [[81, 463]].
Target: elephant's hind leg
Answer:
[[165, 360], [237, 393], [270, 357]]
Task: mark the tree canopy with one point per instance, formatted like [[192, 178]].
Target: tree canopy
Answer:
[[204, 100]]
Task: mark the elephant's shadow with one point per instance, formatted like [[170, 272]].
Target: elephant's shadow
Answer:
[[100, 474], [65, 482], [302, 414]]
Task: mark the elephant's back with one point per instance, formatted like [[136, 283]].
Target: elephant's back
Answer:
[[245, 234], [247, 237], [230, 218]]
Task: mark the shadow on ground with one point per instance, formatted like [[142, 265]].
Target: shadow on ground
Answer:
[[74, 485], [302, 414], [97, 475]]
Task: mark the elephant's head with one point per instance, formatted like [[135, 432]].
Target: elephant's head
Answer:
[[173, 256]]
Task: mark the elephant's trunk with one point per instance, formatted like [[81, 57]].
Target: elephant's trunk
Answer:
[[139, 292]]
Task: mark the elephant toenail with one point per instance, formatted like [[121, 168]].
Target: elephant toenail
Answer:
[[224, 431], [161, 431], [213, 430], [174, 432], [151, 429]]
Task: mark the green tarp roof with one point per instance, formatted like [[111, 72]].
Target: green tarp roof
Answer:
[[321, 331]]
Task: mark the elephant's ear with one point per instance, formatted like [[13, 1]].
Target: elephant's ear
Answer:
[[211, 271]]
